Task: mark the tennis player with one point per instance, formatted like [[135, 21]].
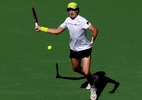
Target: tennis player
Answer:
[[80, 46]]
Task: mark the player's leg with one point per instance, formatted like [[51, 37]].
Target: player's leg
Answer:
[[86, 70], [76, 65]]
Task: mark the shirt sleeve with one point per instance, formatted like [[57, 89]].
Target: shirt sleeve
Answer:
[[63, 25], [85, 23]]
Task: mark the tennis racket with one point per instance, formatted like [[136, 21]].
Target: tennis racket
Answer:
[[35, 16]]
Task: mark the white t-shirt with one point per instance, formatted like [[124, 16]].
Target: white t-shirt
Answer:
[[78, 32]]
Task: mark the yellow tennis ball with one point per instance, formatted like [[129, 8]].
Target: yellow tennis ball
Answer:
[[49, 47]]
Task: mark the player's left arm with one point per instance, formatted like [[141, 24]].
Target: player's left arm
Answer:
[[94, 33]]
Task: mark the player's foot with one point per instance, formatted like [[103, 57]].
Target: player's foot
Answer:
[[88, 86], [93, 95]]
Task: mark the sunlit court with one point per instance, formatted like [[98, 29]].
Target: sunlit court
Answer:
[[36, 65]]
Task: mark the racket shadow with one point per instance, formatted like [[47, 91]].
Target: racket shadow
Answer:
[[65, 77], [70, 78]]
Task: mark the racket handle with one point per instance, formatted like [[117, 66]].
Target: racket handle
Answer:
[[36, 24]]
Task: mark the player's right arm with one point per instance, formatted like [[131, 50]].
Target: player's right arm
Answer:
[[55, 31]]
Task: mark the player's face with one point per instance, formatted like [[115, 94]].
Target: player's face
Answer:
[[73, 13]]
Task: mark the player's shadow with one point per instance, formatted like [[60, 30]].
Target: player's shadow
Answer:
[[100, 84]]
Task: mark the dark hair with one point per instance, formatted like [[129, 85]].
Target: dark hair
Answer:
[[78, 9]]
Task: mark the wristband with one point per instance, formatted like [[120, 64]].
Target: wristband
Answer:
[[43, 29]]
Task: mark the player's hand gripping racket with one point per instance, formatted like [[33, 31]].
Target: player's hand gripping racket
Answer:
[[35, 16]]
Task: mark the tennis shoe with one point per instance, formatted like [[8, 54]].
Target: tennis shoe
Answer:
[[93, 95], [88, 86]]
